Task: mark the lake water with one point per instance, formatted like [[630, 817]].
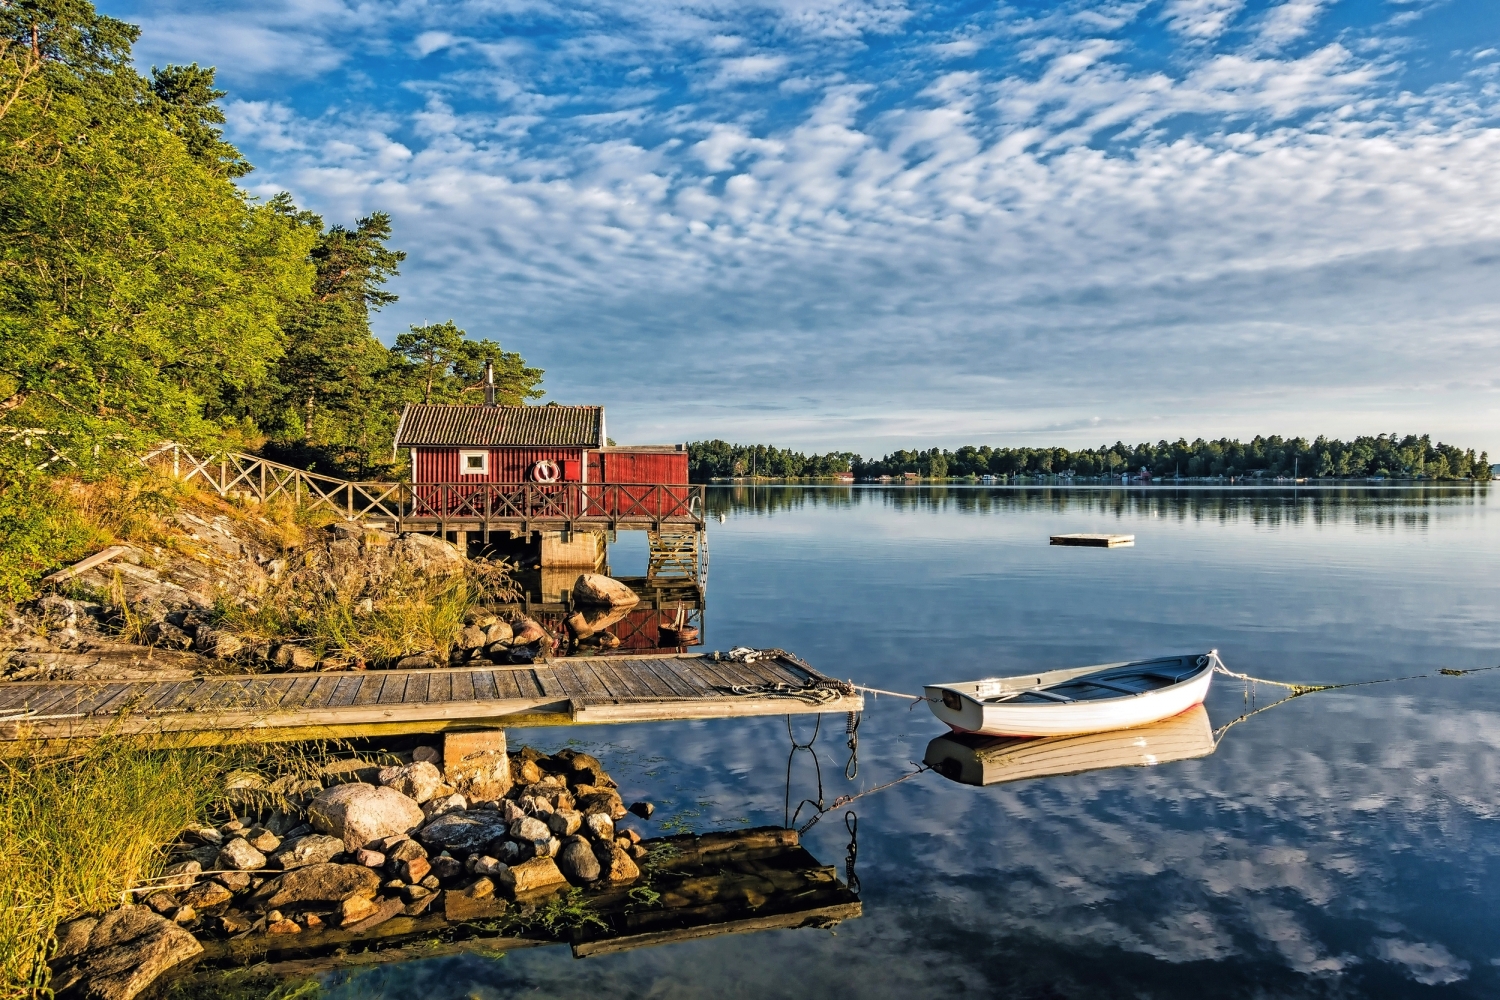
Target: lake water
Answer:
[[1345, 844]]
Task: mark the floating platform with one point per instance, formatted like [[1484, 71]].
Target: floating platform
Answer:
[[575, 690], [1096, 541]]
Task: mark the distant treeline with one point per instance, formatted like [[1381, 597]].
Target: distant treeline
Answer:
[[1381, 455]]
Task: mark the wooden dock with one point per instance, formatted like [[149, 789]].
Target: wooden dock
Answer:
[[1095, 541], [576, 690]]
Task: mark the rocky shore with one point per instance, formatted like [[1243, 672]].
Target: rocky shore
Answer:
[[461, 831]]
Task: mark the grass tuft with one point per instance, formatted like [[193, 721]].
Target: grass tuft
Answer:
[[83, 823]]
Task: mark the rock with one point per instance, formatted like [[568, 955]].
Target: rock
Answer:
[[233, 881], [238, 855], [122, 953], [416, 781], [499, 632], [472, 637], [290, 657], [534, 875], [508, 851], [527, 773], [492, 866], [525, 631], [184, 915], [428, 755], [369, 858], [207, 835], [404, 849], [638, 851], [356, 908], [600, 827], [446, 868], [476, 763], [635, 838], [510, 811], [234, 922], [535, 805], [283, 926], [359, 813], [463, 832], [448, 803], [166, 635], [565, 822], [162, 902], [598, 590], [642, 809], [205, 895], [217, 642], [477, 902], [317, 884], [430, 555], [411, 870], [530, 828], [184, 874], [576, 861], [315, 848], [617, 865], [313, 921], [385, 909], [606, 801], [416, 661], [263, 840]]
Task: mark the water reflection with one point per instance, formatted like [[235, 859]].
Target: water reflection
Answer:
[[971, 759]]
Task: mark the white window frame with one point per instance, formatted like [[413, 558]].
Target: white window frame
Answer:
[[463, 463]]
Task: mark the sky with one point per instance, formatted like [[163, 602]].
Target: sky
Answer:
[[839, 224]]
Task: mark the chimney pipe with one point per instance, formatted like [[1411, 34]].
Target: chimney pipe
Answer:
[[489, 382]]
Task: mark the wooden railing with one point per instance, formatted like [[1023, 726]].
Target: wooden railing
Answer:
[[457, 504]]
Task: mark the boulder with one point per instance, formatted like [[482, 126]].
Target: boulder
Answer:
[[445, 804], [605, 801], [183, 874], [384, 910], [290, 657], [565, 822], [534, 876], [472, 637], [315, 848], [476, 764], [164, 634], [368, 858], [314, 885], [446, 868], [429, 555], [233, 881], [431, 755], [642, 809], [601, 591], [577, 862], [527, 773], [356, 908], [600, 827], [416, 661], [529, 828], [205, 895], [238, 855], [617, 864], [358, 813], [410, 870], [262, 840], [404, 849], [498, 632], [464, 832], [535, 805], [217, 642], [418, 781], [525, 631], [510, 811], [121, 954]]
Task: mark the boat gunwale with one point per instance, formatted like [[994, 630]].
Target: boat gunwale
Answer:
[[1066, 675]]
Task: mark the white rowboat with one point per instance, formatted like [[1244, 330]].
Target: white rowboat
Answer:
[[1078, 700]]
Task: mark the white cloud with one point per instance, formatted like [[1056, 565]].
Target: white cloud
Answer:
[[1034, 233]]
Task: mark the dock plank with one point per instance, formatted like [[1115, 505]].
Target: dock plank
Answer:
[[348, 687], [416, 688], [463, 685], [322, 691], [393, 692], [484, 685], [369, 690]]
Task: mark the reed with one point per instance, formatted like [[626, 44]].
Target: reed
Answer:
[[84, 822]]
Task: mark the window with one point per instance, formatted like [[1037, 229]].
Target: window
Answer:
[[473, 463]]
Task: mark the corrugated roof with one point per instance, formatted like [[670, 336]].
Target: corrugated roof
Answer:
[[433, 425]]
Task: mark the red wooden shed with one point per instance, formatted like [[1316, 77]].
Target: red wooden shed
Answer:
[[520, 444]]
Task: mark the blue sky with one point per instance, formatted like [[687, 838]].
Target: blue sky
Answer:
[[877, 224]]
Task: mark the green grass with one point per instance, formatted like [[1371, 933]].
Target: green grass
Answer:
[[83, 823]]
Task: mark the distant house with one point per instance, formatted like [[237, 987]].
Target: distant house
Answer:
[[1495, 472], [521, 444]]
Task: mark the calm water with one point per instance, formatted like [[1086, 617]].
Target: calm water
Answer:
[[1346, 844]]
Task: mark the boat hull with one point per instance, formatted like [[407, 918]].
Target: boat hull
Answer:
[[965, 710]]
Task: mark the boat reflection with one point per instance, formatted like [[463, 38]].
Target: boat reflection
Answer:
[[971, 759]]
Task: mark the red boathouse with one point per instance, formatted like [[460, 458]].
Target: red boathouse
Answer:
[[527, 444]]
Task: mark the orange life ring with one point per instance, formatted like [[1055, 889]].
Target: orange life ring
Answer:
[[546, 471]]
